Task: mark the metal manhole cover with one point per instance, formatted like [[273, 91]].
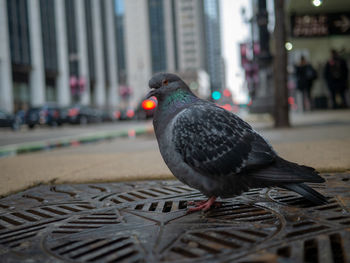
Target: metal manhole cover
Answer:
[[147, 222]]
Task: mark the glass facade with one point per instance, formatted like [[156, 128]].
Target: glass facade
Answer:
[[119, 20], [72, 37], [213, 43], [157, 30], [48, 30], [17, 11]]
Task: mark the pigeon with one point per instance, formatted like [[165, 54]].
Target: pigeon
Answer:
[[214, 151]]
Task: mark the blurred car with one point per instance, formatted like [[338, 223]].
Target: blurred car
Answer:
[[146, 108], [124, 114], [81, 114], [9, 120], [48, 114]]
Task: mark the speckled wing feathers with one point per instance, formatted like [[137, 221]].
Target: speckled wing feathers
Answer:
[[215, 142]]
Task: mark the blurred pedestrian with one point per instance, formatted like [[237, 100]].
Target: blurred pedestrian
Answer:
[[305, 75], [336, 75]]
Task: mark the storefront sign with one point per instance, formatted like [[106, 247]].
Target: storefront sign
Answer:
[[320, 25]]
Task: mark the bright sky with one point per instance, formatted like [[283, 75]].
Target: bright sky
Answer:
[[234, 31]]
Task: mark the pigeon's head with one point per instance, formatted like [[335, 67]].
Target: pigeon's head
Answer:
[[164, 83]]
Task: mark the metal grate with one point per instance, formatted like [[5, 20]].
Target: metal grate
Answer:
[[147, 222]]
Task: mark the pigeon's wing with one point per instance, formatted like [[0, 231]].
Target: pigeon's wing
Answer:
[[215, 142]]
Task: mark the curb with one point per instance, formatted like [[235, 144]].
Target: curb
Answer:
[[8, 151]]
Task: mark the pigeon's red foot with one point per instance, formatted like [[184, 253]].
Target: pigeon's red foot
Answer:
[[203, 205]]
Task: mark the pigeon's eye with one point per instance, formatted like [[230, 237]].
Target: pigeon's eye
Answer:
[[165, 82]]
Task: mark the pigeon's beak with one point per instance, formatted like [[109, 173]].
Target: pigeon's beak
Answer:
[[153, 92]]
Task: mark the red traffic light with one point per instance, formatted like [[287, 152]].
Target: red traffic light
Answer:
[[149, 104]]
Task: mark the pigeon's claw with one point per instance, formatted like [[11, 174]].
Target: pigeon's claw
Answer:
[[202, 205]]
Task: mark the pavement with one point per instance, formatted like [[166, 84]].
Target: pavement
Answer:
[[319, 139]]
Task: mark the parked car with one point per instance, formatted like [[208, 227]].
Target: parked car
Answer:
[[80, 114], [146, 108], [124, 114], [48, 114], [9, 120]]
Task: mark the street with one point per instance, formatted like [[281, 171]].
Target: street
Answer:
[[25, 135]]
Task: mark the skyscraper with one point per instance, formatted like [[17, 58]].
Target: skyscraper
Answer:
[[52, 49]]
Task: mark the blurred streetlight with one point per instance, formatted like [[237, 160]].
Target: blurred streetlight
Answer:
[[317, 3]]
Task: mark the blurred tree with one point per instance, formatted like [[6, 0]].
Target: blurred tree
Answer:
[[281, 112]]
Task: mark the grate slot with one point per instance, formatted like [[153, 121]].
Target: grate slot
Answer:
[[113, 217], [37, 213], [101, 189], [139, 207], [126, 198], [219, 242], [77, 227], [167, 206], [108, 252], [172, 190], [182, 204], [89, 207], [29, 227], [79, 245], [328, 207], [88, 250], [311, 251], [69, 208], [184, 188], [3, 206], [338, 253], [116, 201], [25, 217], [284, 252], [15, 234], [10, 221], [248, 215], [153, 206], [159, 191], [64, 245], [137, 195], [236, 236], [306, 231], [253, 232], [93, 222], [25, 235], [54, 211], [64, 232], [147, 193]]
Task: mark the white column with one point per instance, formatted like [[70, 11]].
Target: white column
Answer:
[[82, 48], [137, 48], [100, 92], [37, 74], [6, 95], [62, 80], [112, 55]]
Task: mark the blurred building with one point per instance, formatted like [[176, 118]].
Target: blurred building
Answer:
[[103, 53], [180, 36], [316, 27], [57, 50], [215, 64]]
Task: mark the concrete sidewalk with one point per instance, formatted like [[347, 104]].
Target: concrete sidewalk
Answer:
[[318, 139]]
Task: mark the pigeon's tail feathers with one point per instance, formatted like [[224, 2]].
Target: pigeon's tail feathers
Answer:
[[282, 171], [307, 192]]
